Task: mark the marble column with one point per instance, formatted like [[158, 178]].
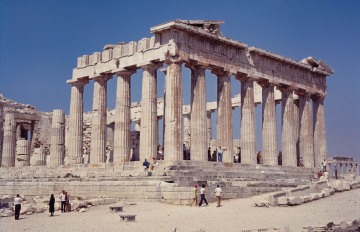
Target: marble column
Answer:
[[122, 117], [306, 133], [1, 130], [198, 144], [9, 144], [224, 115], [57, 146], [296, 123], [320, 146], [22, 153], [173, 142], [247, 127], [269, 132], [40, 156], [209, 128], [187, 131], [75, 152], [288, 127], [149, 127], [98, 124]]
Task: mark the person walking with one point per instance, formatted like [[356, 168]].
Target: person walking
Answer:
[[52, 205], [17, 204], [336, 170], [195, 199], [218, 192], [214, 156], [63, 201], [202, 195]]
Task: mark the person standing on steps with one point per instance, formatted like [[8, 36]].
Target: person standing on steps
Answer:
[[52, 205], [202, 194], [218, 192], [17, 204]]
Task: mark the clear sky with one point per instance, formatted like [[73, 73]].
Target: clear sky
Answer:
[[40, 41]]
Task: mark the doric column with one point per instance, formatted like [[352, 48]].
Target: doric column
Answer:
[[209, 128], [76, 122], [173, 142], [149, 127], [1, 130], [98, 124], [40, 156], [247, 127], [122, 117], [22, 153], [296, 123], [9, 145], [269, 133], [57, 138], [320, 146], [187, 131], [288, 127], [198, 144], [224, 114], [306, 133]]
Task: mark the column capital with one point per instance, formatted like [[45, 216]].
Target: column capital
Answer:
[[285, 88], [127, 72], [195, 65], [220, 72], [174, 59], [265, 83], [151, 66], [102, 79], [79, 82], [302, 92], [243, 77], [318, 96]]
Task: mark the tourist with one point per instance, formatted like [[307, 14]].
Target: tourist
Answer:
[[52, 205], [218, 192], [236, 157], [146, 165], [324, 165], [17, 204], [154, 162], [214, 156], [336, 170], [280, 158], [67, 205], [160, 153], [258, 158], [209, 154], [132, 157], [301, 162], [63, 201], [195, 199], [220, 154], [202, 195]]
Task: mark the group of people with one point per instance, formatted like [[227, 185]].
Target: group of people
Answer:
[[147, 165], [216, 155], [218, 192], [64, 199]]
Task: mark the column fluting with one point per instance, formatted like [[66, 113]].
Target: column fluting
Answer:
[[57, 138], [9, 144], [98, 124], [173, 141], [269, 133], [320, 145], [198, 144]]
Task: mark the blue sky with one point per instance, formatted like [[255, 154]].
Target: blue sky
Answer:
[[41, 40]]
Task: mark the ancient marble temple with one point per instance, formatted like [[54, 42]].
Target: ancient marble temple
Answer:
[[199, 45]]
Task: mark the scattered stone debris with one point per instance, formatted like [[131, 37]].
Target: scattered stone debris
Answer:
[[345, 226]]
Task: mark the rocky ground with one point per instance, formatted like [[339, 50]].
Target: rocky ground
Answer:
[[233, 215]]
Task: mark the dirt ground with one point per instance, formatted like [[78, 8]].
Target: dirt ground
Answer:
[[233, 215]]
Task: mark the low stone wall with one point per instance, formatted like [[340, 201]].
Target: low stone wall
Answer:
[[306, 193]]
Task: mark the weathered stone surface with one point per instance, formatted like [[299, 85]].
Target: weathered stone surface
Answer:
[[6, 212]]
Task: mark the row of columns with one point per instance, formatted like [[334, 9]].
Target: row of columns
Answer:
[[300, 133]]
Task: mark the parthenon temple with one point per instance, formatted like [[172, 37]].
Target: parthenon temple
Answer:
[[104, 138]]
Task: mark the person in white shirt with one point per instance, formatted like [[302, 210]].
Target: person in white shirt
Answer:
[[17, 204], [218, 192], [63, 201], [202, 194]]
